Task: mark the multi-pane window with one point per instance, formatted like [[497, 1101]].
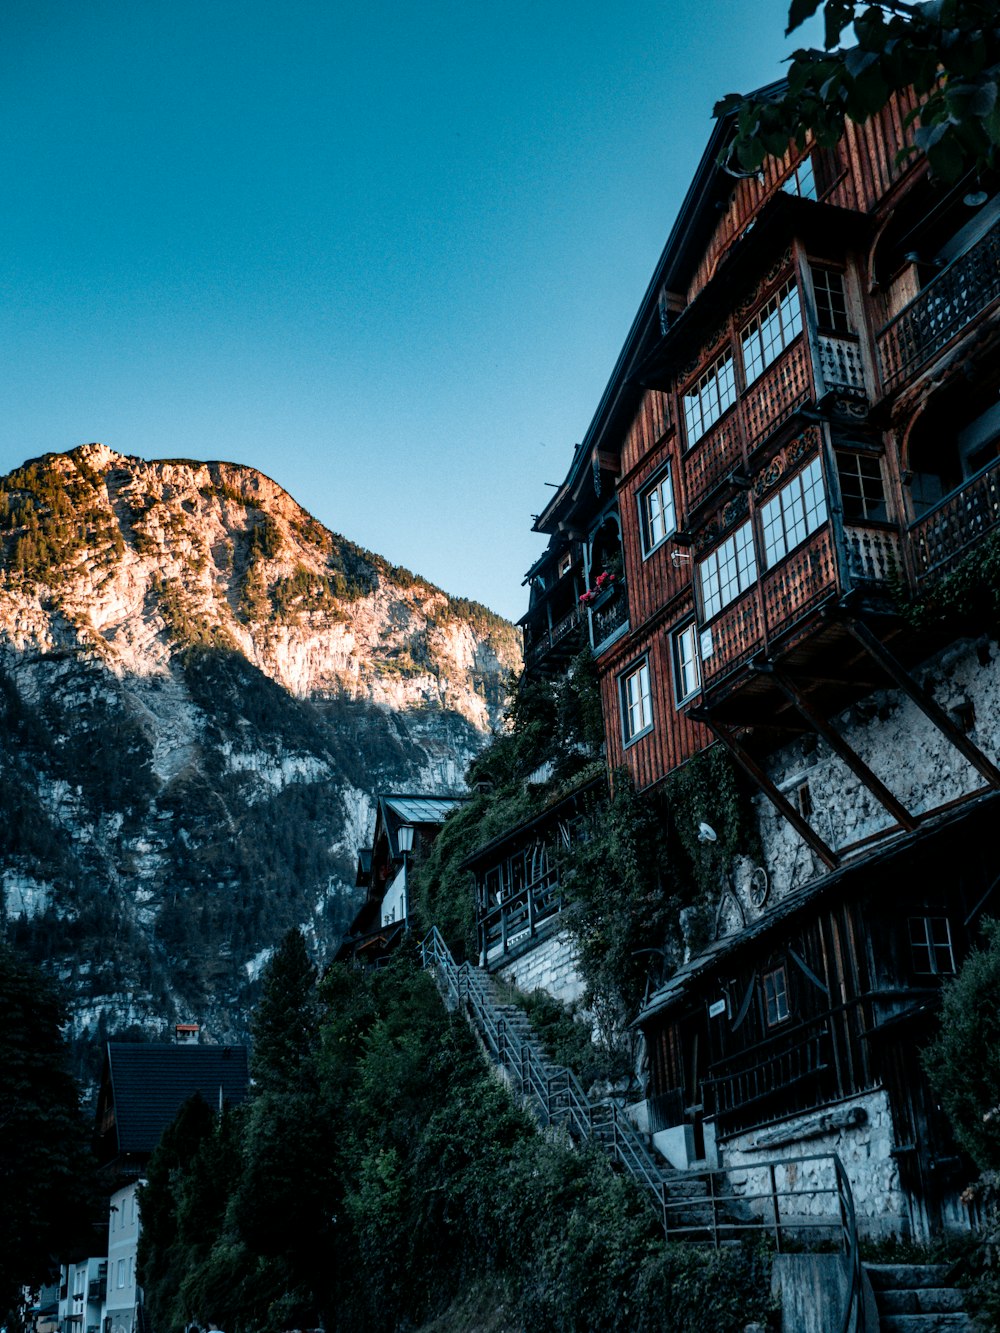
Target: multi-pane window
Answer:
[[861, 487], [930, 945], [797, 510], [727, 571], [831, 301], [776, 1006], [802, 180], [656, 512], [709, 397], [687, 663], [773, 329], [636, 702]]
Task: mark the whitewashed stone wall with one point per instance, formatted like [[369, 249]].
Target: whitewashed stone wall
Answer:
[[900, 744], [550, 966], [865, 1150]]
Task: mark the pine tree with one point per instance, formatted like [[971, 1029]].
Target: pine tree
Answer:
[[286, 1020]]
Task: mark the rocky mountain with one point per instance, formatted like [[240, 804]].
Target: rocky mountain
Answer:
[[202, 689]]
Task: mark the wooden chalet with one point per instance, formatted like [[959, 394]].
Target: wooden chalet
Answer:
[[802, 432], [405, 828]]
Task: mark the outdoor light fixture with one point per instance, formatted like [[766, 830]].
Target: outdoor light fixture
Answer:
[[404, 838]]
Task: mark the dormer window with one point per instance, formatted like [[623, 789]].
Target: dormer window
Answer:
[[801, 180]]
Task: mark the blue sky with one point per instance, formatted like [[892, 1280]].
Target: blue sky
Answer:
[[386, 253]]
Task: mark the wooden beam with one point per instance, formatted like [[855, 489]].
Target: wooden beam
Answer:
[[780, 802], [850, 756], [925, 702]]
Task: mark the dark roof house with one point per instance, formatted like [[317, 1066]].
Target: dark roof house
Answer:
[[144, 1085]]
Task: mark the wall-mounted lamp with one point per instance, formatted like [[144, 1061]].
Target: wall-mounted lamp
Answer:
[[404, 838], [677, 556]]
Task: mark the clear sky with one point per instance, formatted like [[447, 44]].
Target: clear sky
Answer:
[[386, 253]]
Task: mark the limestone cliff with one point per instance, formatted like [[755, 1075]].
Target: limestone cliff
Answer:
[[202, 688]]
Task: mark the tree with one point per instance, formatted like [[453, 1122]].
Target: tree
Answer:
[[45, 1165], [286, 1019], [963, 1064], [948, 51]]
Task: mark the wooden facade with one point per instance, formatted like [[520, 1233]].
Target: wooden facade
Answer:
[[802, 432]]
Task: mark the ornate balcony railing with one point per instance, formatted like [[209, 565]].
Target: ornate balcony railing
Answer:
[[871, 555], [715, 455], [543, 640], [782, 388], [939, 538], [608, 616], [841, 365], [946, 305], [732, 637]]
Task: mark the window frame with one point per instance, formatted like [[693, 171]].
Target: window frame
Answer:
[[782, 1005], [710, 608], [931, 946], [849, 460], [831, 328], [688, 630], [789, 328], [804, 168], [796, 526], [719, 403], [661, 480], [638, 669]]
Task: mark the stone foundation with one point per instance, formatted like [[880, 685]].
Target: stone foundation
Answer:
[[551, 965], [859, 1131]]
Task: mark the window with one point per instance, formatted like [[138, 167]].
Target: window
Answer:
[[797, 510], [687, 664], [774, 328], [776, 1007], [656, 512], [636, 702], [709, 397], [565, 563], [831, 301], [727, 571], [130, 1270], [861, 488], [121, 1273], [930, 945], [802, 180]]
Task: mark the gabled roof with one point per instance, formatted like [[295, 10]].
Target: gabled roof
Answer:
[[145, 1084]]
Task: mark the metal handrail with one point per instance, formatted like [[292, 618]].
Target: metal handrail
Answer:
[[556, 1097]]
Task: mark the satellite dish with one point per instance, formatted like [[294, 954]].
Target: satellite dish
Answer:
[[706, 833], [759, 886]]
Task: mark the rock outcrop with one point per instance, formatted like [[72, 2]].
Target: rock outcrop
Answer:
[[202, 690]]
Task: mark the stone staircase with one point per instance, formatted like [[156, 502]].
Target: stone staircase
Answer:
[[917, 1298]]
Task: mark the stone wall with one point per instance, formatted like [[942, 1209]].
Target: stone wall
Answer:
[[900, 744], [859, 1131], [550, 965]]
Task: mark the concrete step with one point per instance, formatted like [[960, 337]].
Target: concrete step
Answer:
[[924, 1323], [922, 1300], [906, 1276]]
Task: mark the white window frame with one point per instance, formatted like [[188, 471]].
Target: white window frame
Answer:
[[657, 510], [794, 513], [801, 180], [710, 397], [685, 658], [636, 704], [775, 327], [727, 571]]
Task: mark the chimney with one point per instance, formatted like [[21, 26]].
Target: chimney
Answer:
[[186, 1034]]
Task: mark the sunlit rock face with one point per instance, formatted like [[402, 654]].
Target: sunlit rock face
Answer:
[[202, 690]]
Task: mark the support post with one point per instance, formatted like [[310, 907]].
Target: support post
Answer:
[[925, 702], [781, 803]]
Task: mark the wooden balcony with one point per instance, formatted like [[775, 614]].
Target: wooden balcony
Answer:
[[840, 364], [962, 292], [608, 616], [516, 919], [780, 598], [940, 538], [783, 387], [871, 556], [713, 458], [560, 641]]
